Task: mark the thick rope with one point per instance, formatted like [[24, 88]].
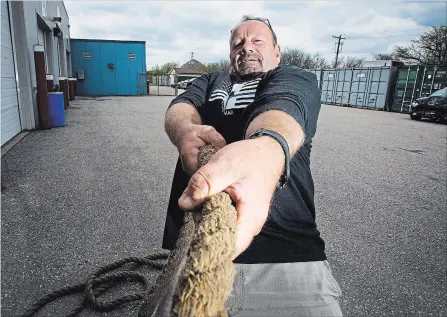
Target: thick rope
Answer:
[[96, 285], [207, 278]]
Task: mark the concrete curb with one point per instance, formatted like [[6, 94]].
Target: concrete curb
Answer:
[[11, 143]]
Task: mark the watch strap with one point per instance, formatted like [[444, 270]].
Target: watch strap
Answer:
[[280, 139]]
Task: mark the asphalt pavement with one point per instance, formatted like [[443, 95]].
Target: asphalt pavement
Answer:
[[96, 191]]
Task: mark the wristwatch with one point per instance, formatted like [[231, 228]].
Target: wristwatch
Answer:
[[279, 138]]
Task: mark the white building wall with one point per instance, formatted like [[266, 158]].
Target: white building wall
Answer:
[[32, 22]]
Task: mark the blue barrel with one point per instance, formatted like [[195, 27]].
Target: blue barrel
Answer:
[[57, 108]]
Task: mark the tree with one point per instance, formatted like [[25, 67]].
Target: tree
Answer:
[[429, 48], [383, 56], [348, 62], [299, 58], [222, 65], [163, 69]]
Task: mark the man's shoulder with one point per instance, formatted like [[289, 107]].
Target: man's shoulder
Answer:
[[289, 70], [291, 75]]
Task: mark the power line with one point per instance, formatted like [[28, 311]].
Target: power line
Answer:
[[421, 29], [339, 43], [380, 37]]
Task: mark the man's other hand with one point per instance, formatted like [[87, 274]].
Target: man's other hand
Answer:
[[193, 138]]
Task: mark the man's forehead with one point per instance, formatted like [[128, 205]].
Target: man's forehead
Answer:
[[250, 26]]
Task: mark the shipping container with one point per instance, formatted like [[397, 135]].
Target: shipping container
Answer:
[[328, 82], [417, 81], [367, 87], [317, 74], [108, 67], [344, 85]]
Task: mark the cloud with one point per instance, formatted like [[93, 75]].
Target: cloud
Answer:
[[174, 29]]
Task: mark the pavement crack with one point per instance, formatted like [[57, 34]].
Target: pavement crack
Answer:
[[412, 151]]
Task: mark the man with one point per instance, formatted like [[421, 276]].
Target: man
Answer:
[[261, 118]]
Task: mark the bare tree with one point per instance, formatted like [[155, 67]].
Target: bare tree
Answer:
[[429, 48], [351, 62], [383, 56], [222, 65], [299, 58]]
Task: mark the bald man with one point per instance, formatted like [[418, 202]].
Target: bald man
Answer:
[[261, 117]]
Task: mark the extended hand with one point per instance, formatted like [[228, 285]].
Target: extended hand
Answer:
[[248, 171]]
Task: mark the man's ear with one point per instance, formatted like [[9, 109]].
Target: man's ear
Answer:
[[278, 53]]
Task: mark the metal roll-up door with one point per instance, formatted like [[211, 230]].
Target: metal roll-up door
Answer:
[[10, 116]]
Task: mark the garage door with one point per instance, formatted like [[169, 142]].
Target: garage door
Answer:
[[9, 103]]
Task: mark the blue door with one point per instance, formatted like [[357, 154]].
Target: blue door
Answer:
[[93, 78], [135, 60], [108, 67], [122, 69]]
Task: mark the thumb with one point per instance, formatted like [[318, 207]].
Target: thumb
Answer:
[[210, 179]]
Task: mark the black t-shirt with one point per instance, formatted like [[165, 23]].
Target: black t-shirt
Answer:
[[229, 105]]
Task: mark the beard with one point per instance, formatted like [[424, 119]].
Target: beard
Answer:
[[248, 67]]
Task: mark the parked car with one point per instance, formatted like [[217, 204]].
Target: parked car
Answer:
[[189, 82], [433, 107], [182, 84]]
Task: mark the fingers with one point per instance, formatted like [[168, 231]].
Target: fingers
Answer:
[[210, 136], [210, 179], [191, 143]]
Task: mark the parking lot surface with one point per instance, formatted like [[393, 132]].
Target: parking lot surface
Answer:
[[96, 191]]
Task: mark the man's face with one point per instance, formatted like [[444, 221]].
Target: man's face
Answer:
[[252, 49]]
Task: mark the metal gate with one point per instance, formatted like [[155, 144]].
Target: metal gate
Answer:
[[162, 85], [142, 84]]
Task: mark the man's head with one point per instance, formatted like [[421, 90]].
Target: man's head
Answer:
[[253, 47]]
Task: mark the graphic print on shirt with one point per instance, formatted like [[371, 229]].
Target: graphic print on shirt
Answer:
[[237, 96]]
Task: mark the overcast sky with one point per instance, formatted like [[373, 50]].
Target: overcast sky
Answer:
[[174, 29]]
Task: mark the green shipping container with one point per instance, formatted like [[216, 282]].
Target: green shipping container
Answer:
[[418, 81]]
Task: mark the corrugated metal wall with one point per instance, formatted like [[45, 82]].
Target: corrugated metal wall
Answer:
[[9, 103], [389, 88], [417, 81], [110, 67], [357, 87]]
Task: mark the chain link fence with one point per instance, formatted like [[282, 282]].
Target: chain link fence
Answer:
[[162, 85]]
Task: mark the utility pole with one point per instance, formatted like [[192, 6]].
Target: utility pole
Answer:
[[339, 43]]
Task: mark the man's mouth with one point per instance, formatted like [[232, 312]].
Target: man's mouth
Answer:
[[247, 60]]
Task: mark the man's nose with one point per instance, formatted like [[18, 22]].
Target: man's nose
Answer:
[[248, 47]]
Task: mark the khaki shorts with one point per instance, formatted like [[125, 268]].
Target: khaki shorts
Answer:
[[305, 289]]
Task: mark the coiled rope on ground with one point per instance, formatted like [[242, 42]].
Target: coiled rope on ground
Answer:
[[200, 265]]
